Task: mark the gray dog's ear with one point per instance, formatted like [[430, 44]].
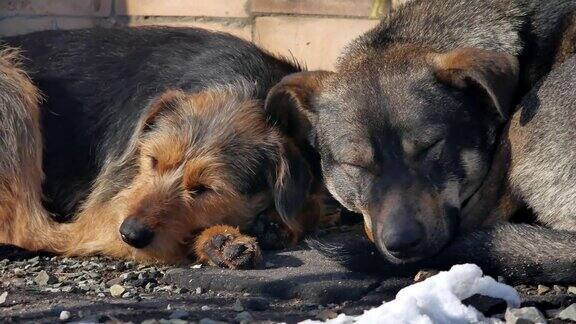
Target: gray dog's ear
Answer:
[[289, 104], [494, 74]]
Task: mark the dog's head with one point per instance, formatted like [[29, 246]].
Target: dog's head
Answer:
[[204, 159], [405, 134]]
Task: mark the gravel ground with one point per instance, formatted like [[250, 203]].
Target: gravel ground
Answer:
[[47, 289], [294, 285]]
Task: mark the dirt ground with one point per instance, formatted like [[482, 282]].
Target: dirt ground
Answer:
[[292, 286]]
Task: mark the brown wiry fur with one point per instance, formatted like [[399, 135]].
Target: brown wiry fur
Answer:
[[237, 237], [21, 174], [154, 180]]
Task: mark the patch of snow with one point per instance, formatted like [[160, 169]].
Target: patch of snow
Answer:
[[437, 299]]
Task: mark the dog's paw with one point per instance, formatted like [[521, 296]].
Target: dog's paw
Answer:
[[226, 247]]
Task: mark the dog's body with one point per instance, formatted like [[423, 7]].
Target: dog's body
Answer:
[[409, 125], [151, 136]]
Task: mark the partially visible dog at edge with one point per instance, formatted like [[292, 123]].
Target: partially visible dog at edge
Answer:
[[417, 131], [149, 144]]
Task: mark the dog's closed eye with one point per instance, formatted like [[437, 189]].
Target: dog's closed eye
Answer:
[[198, 190], [430, 147], [417, 150]]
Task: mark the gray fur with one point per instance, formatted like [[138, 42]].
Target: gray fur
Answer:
[[410, 130], [543, 171]]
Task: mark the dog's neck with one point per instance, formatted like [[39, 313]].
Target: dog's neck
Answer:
[[494, 201]]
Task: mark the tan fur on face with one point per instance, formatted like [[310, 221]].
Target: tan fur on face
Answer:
[[174, 162]]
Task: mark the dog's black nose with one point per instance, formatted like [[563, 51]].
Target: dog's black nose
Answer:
[[404, 240], [136, 233]]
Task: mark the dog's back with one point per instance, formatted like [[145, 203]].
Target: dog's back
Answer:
[[97, 82], [529, 29], [542, 135]]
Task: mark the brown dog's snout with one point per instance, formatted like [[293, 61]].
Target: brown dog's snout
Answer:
[[137, 234]]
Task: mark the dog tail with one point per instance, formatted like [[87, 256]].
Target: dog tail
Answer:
[[517, 252]]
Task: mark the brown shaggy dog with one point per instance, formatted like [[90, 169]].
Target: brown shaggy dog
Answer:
[[178, 172]]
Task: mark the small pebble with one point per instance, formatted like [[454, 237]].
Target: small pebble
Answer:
[[68, 289], [524, 315], [559, 289], [117, 290], [19, 272], [64, 315], [3, 297], [327, 314], [541, 290], [572, 290], [569, 313], [196, 266], [424, 274], [43, 279], [199, 290], [205, 308]]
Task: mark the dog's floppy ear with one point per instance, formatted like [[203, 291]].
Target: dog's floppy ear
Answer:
[[494, 74], [167, 100], [289, 104], [291, 183]]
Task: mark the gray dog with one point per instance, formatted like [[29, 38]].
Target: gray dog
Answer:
[[411, 133]]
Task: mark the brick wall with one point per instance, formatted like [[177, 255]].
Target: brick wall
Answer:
[[312, 31]]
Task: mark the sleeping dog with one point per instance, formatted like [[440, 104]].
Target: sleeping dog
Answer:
[[411, 133], [156, 147]]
